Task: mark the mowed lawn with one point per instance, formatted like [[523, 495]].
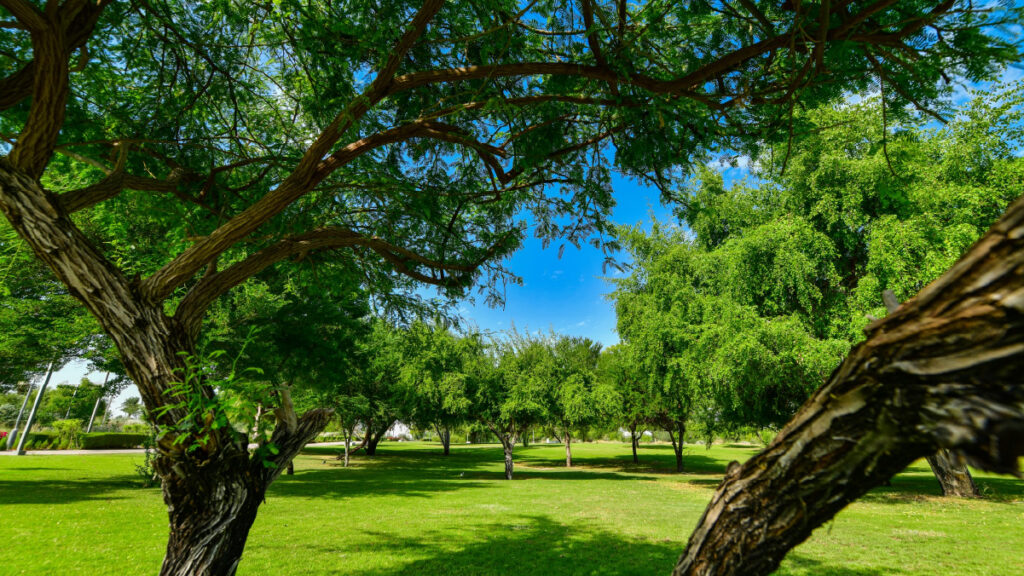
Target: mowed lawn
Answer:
[[410, 510]]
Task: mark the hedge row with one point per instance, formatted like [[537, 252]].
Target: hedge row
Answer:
[[104, 440], [91, 441]]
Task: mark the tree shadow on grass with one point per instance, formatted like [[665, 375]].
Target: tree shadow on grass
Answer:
[[797, 565], [524, 545], [33, 491]]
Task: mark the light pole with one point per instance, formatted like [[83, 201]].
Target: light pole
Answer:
[[14, 433], [35, 408], [96, 406]]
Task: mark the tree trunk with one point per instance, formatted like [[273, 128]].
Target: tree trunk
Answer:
[[291, 468], [677, 446], [568, 449], [508, 443], [348, 441], [374, 437], [634, 441], [35, 409], [446, 440], [953, 476], [943, 371]]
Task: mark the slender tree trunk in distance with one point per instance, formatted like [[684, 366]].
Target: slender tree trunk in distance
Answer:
[[677, 446], [568, 448], [290, 471], [507, 443], [633, 442], [942, 371], [348, 441], [446, 440]]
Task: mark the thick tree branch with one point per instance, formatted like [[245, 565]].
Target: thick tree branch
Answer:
[[18, 86], [942, 371]]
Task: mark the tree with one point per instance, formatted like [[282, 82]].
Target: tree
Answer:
[[618, 368], [575, 396], [434, 375], [132, 407], [430, 125], [507, 388]]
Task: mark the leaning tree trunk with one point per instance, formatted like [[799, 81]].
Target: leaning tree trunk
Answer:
[[446, 440], [952, 474], [943, 371], [374, 436]]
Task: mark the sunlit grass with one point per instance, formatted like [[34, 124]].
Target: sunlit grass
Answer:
[[410, 510]]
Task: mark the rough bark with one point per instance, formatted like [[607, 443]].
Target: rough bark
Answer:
[[953, 476], [446, 440], [943, 371], [507, 443], [568, 449], [213, 504]]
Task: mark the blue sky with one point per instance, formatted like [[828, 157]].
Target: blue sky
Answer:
[[568, 294]]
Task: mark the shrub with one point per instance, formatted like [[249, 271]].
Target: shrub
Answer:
[[112, 440], [136, 428], [41, 441], [69, 433]]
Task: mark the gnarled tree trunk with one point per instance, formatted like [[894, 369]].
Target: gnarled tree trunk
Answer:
[[212, 492], [942, 371]]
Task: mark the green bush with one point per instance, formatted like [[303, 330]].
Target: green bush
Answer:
[[135, 428], [69, 433], [112, 440]]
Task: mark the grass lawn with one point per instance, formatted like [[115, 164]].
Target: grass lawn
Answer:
[[410, 510]]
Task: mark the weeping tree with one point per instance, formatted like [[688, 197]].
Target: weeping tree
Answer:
[[216, 141]]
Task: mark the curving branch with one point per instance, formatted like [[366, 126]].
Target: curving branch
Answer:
[[18, 86], [405, 261]]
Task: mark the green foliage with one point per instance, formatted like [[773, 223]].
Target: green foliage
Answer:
[[69, 433], [737, 324], [434, 375], [234, 408]]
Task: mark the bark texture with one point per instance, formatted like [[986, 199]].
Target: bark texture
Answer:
[[942, 371], [568, 449], [634, 441], [953, 476], [507, 445]]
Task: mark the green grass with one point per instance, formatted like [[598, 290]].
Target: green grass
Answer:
[[410, 510]]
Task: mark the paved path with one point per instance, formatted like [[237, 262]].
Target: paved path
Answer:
[[118, 451]]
